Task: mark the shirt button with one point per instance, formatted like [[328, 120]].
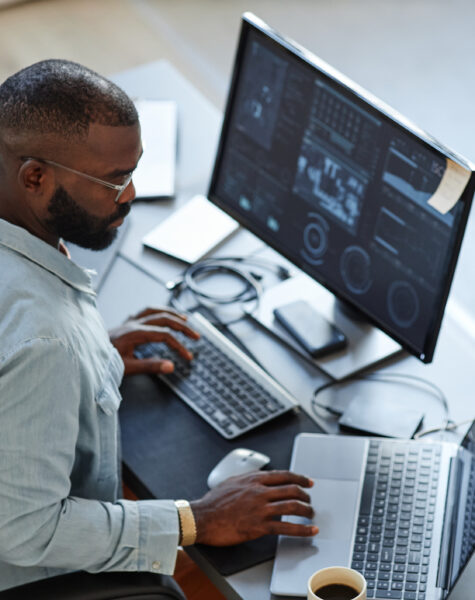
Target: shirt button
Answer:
[[156, 565]]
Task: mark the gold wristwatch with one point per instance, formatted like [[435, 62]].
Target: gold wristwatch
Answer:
[[187, 523]]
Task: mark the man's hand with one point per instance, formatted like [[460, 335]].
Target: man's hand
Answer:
[[151, 325], [245, 507]]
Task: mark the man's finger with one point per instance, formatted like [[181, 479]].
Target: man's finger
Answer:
[[146, 312], [172, 322], [284, 528], [149, 334], [286, 492], [150, 366], [290, 507], [284, 478]]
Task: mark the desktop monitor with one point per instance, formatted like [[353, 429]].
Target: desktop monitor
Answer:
[[349, 191]]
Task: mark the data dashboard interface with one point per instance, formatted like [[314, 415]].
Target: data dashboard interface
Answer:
[[339, 187]]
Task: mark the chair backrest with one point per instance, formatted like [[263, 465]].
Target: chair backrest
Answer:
[[102, 586]]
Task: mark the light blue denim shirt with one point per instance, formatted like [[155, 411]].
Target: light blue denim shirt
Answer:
[[59, 451]]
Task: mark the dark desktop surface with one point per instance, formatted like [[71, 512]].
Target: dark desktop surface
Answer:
[[169, 451]]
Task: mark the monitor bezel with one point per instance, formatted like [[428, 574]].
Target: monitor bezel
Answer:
[[252, 23]]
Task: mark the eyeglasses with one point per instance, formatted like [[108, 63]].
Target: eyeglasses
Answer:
[[120, 188]]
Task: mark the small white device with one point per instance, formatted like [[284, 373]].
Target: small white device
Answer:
[[237, 462]]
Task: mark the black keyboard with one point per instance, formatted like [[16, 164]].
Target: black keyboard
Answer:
[[226, 388], [396, 518]]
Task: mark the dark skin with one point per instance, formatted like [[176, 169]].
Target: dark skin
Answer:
[[241, 508], [151, 325]]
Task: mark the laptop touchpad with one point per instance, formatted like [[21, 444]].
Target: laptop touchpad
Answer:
[[335, 504]]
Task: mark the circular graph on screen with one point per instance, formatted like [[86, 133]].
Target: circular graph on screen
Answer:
[[403, 303], [315, 239], [355, 268]]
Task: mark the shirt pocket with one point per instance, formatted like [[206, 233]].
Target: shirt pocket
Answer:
[[108, 400]]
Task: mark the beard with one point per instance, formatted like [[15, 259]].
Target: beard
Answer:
[[74, 224]]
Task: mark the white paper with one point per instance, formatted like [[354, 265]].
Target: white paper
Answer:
[[192, 231], [155, 174], [450, 188]]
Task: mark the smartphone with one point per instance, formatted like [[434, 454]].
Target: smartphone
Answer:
[[310, 329]]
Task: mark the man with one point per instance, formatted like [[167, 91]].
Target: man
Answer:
[[69, 143]]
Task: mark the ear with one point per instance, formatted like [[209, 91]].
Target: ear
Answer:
[[36, 178]]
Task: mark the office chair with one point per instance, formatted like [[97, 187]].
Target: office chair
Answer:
[[102, 586]]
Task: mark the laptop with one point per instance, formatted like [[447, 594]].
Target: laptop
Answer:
[[400, 512]]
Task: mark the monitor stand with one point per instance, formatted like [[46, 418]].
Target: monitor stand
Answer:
[[367, 345]]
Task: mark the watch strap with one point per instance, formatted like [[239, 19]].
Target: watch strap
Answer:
[[187, 523]]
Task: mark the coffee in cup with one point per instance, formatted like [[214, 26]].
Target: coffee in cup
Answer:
[[336, 583]]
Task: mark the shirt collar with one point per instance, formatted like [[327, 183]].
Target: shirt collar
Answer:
[[49, 258]]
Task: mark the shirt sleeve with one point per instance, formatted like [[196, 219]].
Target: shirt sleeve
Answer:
[[41, 524]]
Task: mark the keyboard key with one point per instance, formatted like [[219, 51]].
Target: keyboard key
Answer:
[[414, 557], [386, 555], [367, 496], [372, 557], [374, 547], [397, 585]]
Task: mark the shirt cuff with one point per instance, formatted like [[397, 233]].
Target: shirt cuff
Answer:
[[159, 532]]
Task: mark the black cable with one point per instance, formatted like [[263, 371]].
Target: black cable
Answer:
[[201, 270], [251, 292]]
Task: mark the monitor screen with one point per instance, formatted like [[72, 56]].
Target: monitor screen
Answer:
[[340, 185]]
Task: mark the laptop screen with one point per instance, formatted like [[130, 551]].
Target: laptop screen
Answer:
[[468, 535]]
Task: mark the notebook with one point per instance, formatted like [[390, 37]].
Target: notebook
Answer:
[[400, 512], [155, 173], [192, 231]]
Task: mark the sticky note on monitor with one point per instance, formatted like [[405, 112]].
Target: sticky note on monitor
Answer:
[[450, 188]]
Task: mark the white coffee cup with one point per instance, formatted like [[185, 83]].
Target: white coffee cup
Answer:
[[335, 576]]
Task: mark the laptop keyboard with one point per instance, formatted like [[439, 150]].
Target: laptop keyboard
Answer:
[[396, 518], [228, 390]]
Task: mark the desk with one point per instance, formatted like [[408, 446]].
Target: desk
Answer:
[[138, 275]]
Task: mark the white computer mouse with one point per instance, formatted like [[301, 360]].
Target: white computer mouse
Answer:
[[237, 462]]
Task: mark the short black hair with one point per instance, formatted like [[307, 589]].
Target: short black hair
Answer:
[[62, 97]]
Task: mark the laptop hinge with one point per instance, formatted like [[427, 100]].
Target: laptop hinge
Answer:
[[447, 544]]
